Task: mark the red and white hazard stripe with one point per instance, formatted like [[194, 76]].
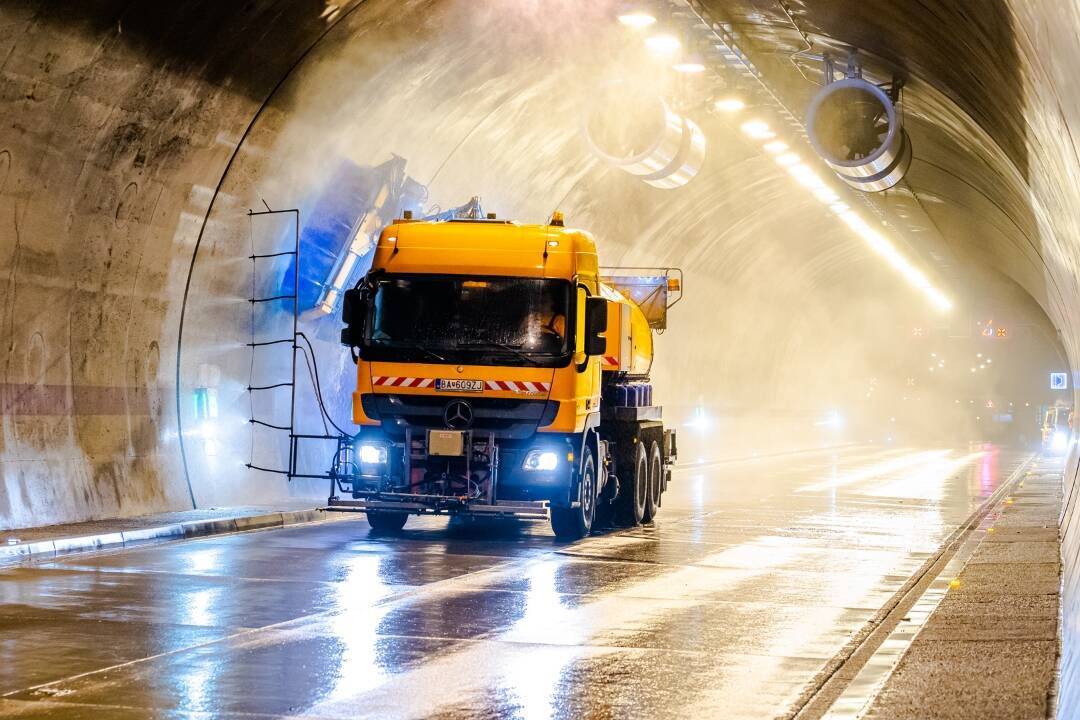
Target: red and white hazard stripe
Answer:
[[406, 382], [517, 386], [609, 360]]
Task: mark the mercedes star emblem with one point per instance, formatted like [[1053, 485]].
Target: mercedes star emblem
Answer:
[[458, 415]]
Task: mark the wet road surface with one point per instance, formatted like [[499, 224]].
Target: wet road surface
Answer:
[[754, 576]]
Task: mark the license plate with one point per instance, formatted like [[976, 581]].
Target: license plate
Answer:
[[447, 443], [457, 385]]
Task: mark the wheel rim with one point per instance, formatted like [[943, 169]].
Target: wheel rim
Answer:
[[654, 478], [588, 493], [642, 483]]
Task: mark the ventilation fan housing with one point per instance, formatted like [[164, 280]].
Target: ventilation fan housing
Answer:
[[853, 125]]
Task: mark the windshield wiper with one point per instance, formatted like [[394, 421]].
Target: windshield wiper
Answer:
[[501, 346], [417, 346]]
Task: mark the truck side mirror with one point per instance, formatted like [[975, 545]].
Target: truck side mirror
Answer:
[[354, 315], [596, 315]]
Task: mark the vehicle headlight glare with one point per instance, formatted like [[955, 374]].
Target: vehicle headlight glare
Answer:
[[1060, 440], [372, 454], [541, 460]]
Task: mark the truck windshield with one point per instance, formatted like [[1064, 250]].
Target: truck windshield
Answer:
[[481, 321]]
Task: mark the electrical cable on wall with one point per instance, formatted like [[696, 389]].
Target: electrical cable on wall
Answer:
[[317, 385]]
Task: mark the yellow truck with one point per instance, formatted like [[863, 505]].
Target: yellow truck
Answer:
[[501, 372]]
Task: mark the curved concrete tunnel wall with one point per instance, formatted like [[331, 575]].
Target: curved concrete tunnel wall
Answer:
[[131, 136]]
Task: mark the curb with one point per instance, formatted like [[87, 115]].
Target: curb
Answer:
[[59, 547]]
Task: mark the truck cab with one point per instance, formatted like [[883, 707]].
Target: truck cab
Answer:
[[480, 349]]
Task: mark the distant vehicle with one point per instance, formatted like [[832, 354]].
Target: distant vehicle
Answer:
[[502, 372], [1057, 427]]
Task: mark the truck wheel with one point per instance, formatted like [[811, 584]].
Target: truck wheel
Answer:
[[574, 523], [633, 490], [383, 521], [656, 469]]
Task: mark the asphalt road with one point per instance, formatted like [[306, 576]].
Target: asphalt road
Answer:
[[753, 577]]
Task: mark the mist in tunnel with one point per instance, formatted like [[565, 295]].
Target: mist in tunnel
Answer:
[[792, 334]]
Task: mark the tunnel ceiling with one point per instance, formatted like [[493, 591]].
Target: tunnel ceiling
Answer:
[[967, 104]]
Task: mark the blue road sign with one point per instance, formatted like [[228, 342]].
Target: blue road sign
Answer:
[[1059, 381]]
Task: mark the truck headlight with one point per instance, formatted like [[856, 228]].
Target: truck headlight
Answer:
[[1059, 441], [371, 454], [541, 460]]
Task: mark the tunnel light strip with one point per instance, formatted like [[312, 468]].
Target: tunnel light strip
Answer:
[[809, 179]]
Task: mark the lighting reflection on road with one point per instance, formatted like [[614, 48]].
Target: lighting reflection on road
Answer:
[[987, 472], [927, 483], [355, 623], [199, 607], [205, 559], [850, 549], [532, 678], [876, 470], [195, 683], [565, 633]]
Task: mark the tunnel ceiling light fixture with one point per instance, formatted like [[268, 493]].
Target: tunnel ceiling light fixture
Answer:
[[691, 64], [729, 104], [689, 67], [636, 18], [788, 159], [808, 178], [663, 44], [776, 147], [826, 195], [758, 129]]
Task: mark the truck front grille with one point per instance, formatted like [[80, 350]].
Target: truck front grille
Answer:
[[506, 417]]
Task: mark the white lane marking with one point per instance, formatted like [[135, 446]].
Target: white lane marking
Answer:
[[875, 471]]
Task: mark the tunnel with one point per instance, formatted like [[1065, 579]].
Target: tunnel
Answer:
[[188, 190]]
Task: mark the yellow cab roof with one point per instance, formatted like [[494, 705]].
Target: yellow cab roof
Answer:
[[485, 247]]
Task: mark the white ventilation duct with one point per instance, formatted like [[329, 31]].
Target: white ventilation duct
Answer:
[[853, 125], [643, 136]]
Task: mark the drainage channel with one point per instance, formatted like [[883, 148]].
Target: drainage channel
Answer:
[[857, 672]]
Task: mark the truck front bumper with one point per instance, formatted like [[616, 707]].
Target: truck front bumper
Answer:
[[441, 505]]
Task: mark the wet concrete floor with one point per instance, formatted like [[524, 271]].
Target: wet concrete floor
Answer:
[[753, 577]]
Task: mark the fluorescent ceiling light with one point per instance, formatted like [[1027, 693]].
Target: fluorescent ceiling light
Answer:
[[637, 19], [826, 195], [879, 244], [729, 105], [663, 44], [805, 175], [688, 67], [758, 129]]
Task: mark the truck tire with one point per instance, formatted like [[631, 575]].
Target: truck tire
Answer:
[[656, 471], [385, 521], [574, 523], [633, 489]]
